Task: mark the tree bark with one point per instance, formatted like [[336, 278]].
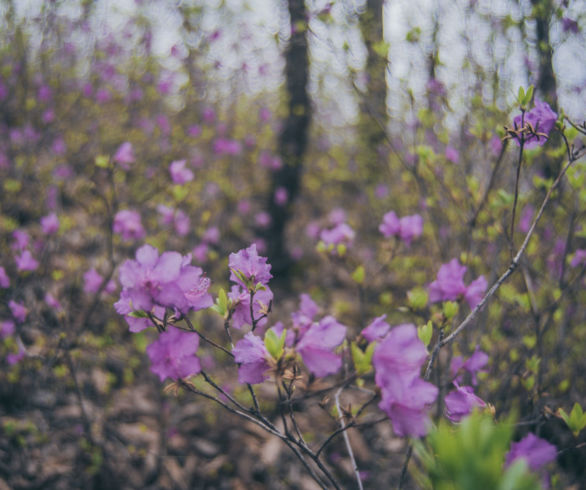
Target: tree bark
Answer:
[[292, 139]]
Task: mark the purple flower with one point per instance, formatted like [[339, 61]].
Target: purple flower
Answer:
[[579, 258], [127, 224], [262, 219], [337, 216], [473, 365], [475, 291], [4, 279], [303, 318], [21, 240], [125, 155], [53, 302], [406, 228], [241, 303], [50, 224], [317, 345], [391, 226], [460, 402], [211, 235], [181, 223], [6, 328], [570, 25], [252, 355], [26, 262], [180, 174], [449, 285], [167, 280], [200, 252], [405, 397], [93, 281], [225, 146], [281, 196], [253, 267], [376, 330], [19, 312], [452, 155], [340, 234], [172, 355], [541, 118], [536, 451]]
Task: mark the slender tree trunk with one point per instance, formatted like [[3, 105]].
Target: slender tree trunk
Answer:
[[373, 114], [293, 138]]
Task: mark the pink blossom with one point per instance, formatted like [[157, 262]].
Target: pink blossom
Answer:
[[179, 173], [127, 223], [50, 224], [26, 262], [172, 355]]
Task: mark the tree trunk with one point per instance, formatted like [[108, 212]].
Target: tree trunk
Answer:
[[293, 138]]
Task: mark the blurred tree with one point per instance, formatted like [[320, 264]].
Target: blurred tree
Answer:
[[292, 139], [373, 106]]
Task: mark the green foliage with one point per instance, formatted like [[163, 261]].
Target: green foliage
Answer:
[[471, 455], [362, 359], [274, 343], [576, 421]]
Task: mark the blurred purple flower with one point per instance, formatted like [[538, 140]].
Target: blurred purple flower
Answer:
[[340, 234], [209, 115], [125, 155], [281, 196], [570, 25], [19, 312], [252, 355], [26, 262], [541, 118], [21, 240], [225, 146], [262, 219], [200, 252], [452, 155], [7, 328], [407, 228], [376, 330], [449, 285], [194, 131], [405, 397], [50, 224], [127, 223], [460, 402], [579, 258], [526, 218], [53, 302], [180, 174], [4, 279], [103, 95], [173, 356], [534, 450], [211, 235]]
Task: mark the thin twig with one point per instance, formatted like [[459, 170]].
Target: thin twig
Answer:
[[204, 338], [347, 439]]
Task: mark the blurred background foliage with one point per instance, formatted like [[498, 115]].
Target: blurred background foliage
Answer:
[[354, 109]]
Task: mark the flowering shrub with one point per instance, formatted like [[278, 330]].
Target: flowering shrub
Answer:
[[148, 335]]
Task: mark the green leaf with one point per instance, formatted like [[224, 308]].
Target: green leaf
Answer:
[[362, 360], [576, 421], [274, 344], [450, 309], [358, 274], [425, 333], [138, 314], [341, 249], [417, 298], [102, 161], [180, 192]]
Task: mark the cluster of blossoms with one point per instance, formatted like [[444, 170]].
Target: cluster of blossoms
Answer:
[[461, 401], [152, 283], [541, 120], [397, 361], [315, 341], [406, 228], [128, 225], [449, 285]]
